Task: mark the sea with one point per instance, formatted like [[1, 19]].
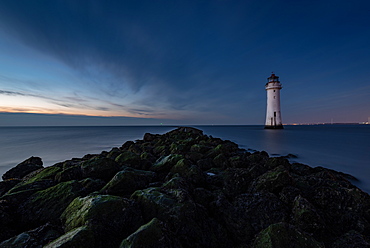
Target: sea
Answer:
[[344, 148]]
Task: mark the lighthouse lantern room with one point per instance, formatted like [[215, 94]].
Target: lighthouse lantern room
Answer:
[[273, 113]]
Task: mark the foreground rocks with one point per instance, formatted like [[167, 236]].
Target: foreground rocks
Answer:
[[180, 189]]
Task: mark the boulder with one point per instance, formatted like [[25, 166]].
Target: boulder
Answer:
[[47, 205], [24, 168], [110, 218], [127, 181], [81, 237], [100, 168], [164, 164], [35, 238], [154, 234]]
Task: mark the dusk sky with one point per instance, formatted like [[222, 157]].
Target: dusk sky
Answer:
[[101, 62]]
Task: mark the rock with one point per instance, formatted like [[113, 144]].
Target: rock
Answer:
[[189, 130], [154, 234], [110, 218], [100, 168], [236, 181], [282, 235], [306, 217], [34, 238], [153, 203], [71, 173], [81, 237], [127, 181], [47, 205], [6, 185], [24, 168], [192, 173], [261, 209], [128, 158], [164, 164], [273, 181]]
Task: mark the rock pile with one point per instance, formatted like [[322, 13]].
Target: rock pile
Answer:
[[180, 189]]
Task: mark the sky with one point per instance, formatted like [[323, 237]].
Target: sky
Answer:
[[107, 62]]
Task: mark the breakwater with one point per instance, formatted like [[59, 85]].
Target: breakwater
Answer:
[[181, 189]]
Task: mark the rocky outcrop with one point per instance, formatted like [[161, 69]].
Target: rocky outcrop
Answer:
[[24, 168], [181, 189]]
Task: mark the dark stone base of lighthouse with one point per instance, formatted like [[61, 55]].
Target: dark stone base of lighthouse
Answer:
[[274, 127]]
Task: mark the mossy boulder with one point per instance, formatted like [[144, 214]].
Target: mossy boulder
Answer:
[[47, 205], [24, 168], [99, 167], [38, 180], [154, 203], [282, 235], [127, 181], [273, 181], [154, 234], [110, 218], [70, 173], [191, 172], [128, 158]]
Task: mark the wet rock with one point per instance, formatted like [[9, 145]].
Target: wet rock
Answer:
[[24, 168]]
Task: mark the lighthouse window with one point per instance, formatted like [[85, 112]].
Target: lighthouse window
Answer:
[[274, 97], [274, 90]]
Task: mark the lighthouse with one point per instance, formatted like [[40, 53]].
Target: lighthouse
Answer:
[[273, 113]]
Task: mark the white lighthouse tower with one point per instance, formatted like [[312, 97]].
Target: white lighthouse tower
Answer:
[[273, 114]]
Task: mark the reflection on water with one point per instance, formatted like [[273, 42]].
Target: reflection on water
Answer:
[[272, 141]]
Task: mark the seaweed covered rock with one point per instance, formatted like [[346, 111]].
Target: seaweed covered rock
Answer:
[[109, 218], [48, 205]]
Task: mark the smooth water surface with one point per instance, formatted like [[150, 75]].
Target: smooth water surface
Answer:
[[344, 148]]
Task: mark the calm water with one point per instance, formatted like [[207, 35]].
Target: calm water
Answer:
[[344, 148]]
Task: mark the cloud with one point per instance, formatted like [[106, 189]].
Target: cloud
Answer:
[[11, 93]]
